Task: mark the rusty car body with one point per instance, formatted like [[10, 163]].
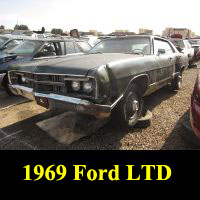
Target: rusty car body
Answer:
[[112, 78]]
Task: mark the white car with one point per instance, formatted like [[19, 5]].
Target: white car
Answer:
[[184, 47]]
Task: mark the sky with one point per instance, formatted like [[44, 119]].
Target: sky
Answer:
[[102, 15]]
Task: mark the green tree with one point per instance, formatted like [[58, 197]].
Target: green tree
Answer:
[[56, 31], [21, 27], [2, 27], [43, 30]]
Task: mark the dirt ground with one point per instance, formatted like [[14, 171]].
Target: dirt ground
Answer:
[[18, 128]]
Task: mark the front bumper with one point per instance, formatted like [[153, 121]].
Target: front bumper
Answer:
[[195, 117], [1, 78], [54, 101]]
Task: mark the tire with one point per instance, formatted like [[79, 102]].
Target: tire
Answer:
[[130, 108], [7, 89], [176, 83]]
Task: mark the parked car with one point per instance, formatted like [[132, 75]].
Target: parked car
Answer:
[[36, 50], [8, 42], [195, 43], [185, 47], [113, 77], [195, 111]]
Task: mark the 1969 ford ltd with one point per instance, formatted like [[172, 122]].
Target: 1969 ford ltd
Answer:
[[112, 78]]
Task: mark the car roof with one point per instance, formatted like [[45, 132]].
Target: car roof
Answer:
[[57, 39], [9, 36], [136, 36]]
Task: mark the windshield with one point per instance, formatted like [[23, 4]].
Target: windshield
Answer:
[[26, 48], [178, 43], [123, 45], [3, 40]]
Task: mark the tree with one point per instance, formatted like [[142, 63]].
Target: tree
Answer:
[[2, 27], [57, 31], [43, 30], [21, 27]]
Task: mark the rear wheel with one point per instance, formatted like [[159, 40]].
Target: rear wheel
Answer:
[[130, 108]]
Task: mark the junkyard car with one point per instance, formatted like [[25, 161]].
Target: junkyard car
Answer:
[[112, 78], [185, 47], [36, 50], [10, 41]]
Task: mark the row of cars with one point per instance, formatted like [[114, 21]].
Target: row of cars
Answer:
[[110, 79]]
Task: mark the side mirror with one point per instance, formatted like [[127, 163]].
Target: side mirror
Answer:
[[161, 51]]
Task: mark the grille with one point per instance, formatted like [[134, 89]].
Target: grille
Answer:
[[49, 88], [51, 83]]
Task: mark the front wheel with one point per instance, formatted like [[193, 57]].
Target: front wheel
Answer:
[[130, 108]]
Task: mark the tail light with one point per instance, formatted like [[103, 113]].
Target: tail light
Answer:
[[196, 92]]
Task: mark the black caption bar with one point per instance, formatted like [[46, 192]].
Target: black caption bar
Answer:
[[99, 167]]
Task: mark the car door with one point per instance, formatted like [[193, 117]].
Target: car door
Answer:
[[165, 59]]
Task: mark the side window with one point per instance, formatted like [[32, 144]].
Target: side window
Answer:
[[159, 44], [49, 49], [62, 46], [13, 43], [84, 46], [69, 47]]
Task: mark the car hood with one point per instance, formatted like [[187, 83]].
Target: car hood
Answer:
[[76, 65]]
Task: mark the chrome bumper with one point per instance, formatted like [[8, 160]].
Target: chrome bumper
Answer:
[[1, 78], [54, 101]]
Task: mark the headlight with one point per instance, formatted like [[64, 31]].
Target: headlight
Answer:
[[76, 85], [87, 87]]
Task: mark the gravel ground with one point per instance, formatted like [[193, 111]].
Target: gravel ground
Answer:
[[170, 109]]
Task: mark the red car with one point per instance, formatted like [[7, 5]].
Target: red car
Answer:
[[195, 109]]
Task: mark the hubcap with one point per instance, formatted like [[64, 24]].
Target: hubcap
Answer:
[[131, 107], [135, 105]]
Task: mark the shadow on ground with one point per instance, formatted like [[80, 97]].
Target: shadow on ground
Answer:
[[179, 137], [9, 101], [108, 137]]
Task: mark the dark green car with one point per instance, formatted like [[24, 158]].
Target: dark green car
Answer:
[[113, 77]]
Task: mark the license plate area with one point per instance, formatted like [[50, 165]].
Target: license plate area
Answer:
[[42, 101]]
